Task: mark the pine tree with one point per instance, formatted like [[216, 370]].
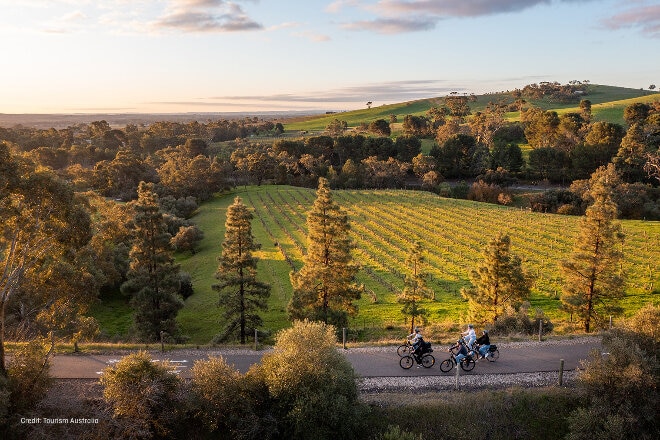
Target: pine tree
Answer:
[[153, 278], [240, 293], [415, 289], [499, 281], [324, 288], [593, 284]]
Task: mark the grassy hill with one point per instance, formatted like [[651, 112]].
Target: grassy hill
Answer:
[[384, 224], [608, 103]]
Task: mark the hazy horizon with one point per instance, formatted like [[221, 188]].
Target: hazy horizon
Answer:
[[251, 56]]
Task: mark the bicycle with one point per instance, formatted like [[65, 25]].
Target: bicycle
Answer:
[[492, 355], [467, 363], [426, 360], [421, 356], [404, 349]]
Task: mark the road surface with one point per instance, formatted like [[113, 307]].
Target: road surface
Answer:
[[367, 362]]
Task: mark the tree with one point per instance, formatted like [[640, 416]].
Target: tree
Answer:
[[632, 155], [380, 127], [336, 127], [369, 104], [312, 385], [416, 125], [187, 238], [540, 127], [241, 294], [415, 289], [153, 278], [324, 288], [144, 394], [593, 284], [497, 283], [43, 224], [636, 113]]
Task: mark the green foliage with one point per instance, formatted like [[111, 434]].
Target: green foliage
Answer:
[[312, 384], [622, 388], [396, 433], [324, 288], [514, 321], [498, 282], [143, 396], [594, 283], [153, 278], [415, 289], [241, 295], [28, 375], [230, 404], [496, 415]]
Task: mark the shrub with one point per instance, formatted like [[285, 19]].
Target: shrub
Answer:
[[28, 375], [484, 192], [622, 388], [519, 321], [142, 394], [228, 402], [396, 433], [313, 386]]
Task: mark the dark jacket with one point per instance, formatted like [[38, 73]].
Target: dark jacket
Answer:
[[484, 340]]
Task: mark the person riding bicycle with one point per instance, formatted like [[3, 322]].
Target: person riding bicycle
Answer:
[[470, 336], [484, 344], [416, 339], [462, 351]]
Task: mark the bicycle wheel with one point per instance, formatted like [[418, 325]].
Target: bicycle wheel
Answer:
[[428, 361], [406, 362], [493, 355], [467, 364], [403, 350], [446, 365]]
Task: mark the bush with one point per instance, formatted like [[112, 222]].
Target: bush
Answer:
[[519, 321], [396, 433], [227, 402], [313, 386], [484, 192], [622, 388], [28, 376], [142, 394]]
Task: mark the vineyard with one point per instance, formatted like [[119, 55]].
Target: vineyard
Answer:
[[384, 226]]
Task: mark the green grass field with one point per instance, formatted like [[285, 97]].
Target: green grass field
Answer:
[[608, 103], [384, 224]]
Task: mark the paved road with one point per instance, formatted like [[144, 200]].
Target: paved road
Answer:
[[367, 362]]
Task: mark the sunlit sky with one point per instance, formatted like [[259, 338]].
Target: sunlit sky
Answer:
[[166, 56]]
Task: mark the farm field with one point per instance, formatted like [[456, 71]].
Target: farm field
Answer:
[[608, 103], [384, 225]]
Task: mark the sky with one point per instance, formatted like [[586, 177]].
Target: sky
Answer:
[[176, 56]]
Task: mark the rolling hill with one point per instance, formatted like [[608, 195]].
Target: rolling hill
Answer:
[[608, 103]]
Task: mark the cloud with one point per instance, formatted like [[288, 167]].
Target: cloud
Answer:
[[393, 25], [313, 36], [393, 91], [399, 16], [205, 16], [644, 17]]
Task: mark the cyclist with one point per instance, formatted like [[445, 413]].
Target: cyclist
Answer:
[[462, 351], [484, 344], [416, 339], [470, 336]]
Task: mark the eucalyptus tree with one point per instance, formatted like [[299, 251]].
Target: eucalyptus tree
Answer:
[[43, 224]]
